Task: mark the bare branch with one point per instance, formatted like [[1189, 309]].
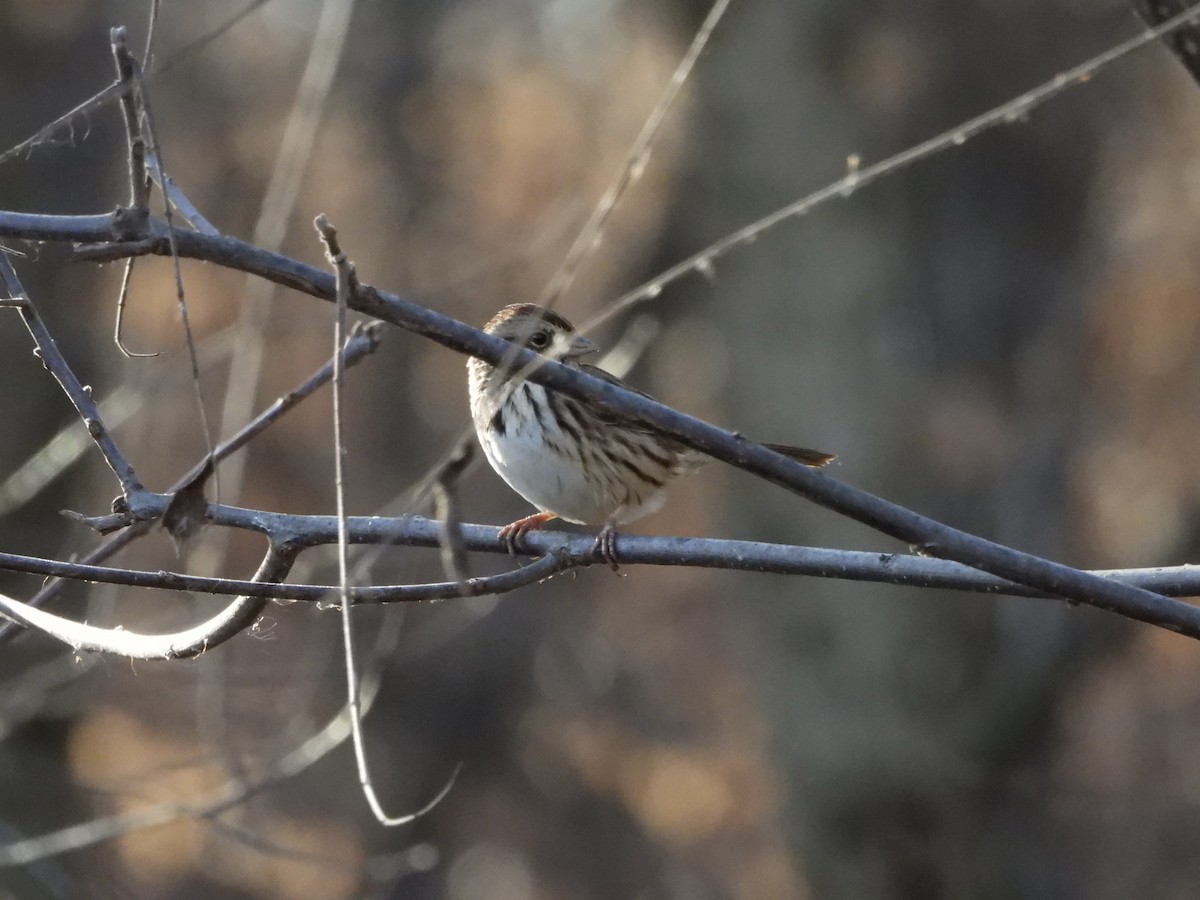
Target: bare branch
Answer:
[[932, 537], [128, 73], [122, 225], [80, 397], [177, 198]]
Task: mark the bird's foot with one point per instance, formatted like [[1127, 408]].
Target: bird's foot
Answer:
[[514, 532], [605, 548]]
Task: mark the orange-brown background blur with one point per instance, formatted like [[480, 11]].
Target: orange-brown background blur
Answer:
[[1004, 337]]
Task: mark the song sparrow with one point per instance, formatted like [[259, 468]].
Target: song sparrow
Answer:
[[572, 460]]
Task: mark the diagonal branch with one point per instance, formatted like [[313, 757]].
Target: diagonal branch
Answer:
[[1183, 42], [932, 537], [80, 396]]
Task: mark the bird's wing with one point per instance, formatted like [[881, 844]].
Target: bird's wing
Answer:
[[813, 458], [611, 418]]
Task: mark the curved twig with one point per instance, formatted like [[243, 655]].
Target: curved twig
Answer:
[[190, 642]]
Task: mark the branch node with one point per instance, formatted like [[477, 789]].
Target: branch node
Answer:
[[99, 524], [130, 223]]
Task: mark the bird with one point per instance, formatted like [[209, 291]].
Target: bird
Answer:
[[573, 460]]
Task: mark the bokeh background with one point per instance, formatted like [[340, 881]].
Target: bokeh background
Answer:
[[1004, 337]]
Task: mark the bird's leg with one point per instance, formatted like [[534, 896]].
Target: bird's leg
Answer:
[[605, 548], [514, 532]]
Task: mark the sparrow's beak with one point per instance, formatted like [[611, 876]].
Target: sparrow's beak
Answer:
[[580, 346]]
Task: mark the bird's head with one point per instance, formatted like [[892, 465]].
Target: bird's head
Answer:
[[541, 330]]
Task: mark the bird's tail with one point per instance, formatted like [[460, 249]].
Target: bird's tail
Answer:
[[812, 458]]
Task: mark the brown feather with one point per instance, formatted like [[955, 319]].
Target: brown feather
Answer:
[[813, 458]]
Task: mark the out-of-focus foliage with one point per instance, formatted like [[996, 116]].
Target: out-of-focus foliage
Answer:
[[1004, 337]]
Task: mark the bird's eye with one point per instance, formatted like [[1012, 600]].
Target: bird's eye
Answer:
[[538, 340]]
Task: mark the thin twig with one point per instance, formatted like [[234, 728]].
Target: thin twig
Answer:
[[128, 75], [118, 327], [152, 22], [178, 199], [127, 81], [483, 586], [177, 271], [634, 164], [292, 158], [1184, 42], [1015, 110], [447, 511], [347, 285], [44, 134], [97, 101]]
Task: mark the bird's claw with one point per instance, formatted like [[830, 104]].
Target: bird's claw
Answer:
[[605, 548], [513, 534]]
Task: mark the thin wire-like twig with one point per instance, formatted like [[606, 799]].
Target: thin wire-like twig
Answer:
[[119, 326], [483, 586], [178, 199], [142, 133], [295, 150], [151, 25], [180, 295], [100, 99], [347, 286], [139, 181], [634, 164], [1015, 110]]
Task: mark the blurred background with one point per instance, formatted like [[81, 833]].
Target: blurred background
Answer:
[[1004, 337]]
